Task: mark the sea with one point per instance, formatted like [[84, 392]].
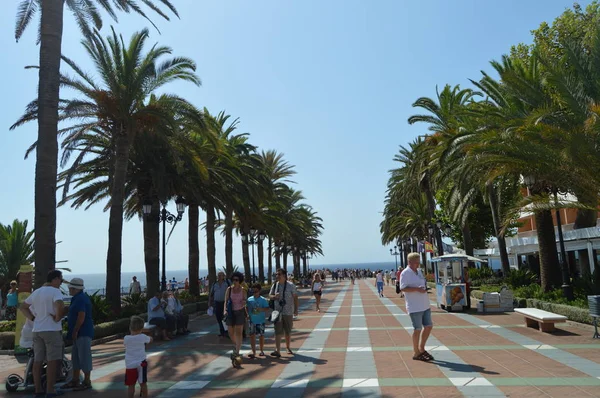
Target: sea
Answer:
[[97, 282]]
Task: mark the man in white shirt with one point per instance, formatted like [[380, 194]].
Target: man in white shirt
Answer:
[[134, 286], [414, 287], [47, 302]]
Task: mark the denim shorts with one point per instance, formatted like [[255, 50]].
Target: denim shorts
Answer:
[[81, 354], [421, 319]]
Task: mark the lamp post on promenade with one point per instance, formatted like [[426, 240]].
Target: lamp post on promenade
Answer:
[[165, 217], [395, 253]]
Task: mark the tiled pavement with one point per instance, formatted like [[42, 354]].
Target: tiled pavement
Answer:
[[360, 346]]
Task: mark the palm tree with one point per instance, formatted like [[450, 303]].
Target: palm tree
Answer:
[[124, 106], [50, 39], [16, 249]]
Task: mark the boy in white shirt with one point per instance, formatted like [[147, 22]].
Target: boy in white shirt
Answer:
[[135, 357]]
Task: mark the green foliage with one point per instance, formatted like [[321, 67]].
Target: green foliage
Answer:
[[16, 249], [480, 273], [519, 278], [573, 313], [100, 308], [534, 291], [7, 340], [186, 297], [111, 328], [8, 326]]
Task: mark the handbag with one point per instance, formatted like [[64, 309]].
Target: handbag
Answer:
[[397, 287], [271, 301]]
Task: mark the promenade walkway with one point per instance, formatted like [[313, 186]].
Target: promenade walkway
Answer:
[[360, 346]]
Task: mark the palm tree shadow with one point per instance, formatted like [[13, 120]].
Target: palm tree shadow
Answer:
[[463, 367]]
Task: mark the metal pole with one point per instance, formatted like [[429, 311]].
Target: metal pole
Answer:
[[564, 264], [253, 269], [396, 257], [164, 249]]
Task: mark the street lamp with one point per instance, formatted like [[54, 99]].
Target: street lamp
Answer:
[[564, 263], [395, 253], [253, 238], [165, 217]]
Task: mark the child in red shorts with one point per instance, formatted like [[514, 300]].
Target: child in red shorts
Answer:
[[135, 357]]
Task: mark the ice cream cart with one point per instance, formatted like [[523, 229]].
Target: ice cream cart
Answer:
[[451, 287]]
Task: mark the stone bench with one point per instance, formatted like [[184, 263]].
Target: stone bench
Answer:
[[540, 319], [149, 330]]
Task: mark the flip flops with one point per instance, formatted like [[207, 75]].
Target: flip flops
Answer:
[[424, 356]]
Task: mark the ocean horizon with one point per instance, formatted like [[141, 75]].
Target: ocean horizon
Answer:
[[97, 281]]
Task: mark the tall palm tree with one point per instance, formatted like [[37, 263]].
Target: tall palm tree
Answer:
[[124, 105], [87, 15]]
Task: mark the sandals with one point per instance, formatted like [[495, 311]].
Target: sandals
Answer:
[[251, 356], [424, 356], [262, 354], [276, 354], [83, 386], [289, 351]]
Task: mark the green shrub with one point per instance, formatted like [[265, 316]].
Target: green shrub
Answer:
[[488, 281], [7, 340], [519, 278], [481, 273], [135, 300], [8, 326], [111, 328], [186, 297], [100, 308]]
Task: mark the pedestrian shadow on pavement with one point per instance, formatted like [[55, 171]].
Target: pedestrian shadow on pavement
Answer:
[[463, 367]]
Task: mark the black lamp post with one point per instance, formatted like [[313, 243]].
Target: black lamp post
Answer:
[[165, 217], [253, 238], [564, 263], [395, 253]]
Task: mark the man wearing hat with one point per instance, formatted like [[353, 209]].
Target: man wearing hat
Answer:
[[81, 332]]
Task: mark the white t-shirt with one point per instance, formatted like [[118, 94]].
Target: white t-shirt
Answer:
[[135, 349], [379, 277], [42, 300], [415, 301], [317, 287]]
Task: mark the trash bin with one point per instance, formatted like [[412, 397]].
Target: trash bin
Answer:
[[594, 304]]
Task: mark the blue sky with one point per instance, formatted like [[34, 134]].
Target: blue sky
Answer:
[[328, 83]]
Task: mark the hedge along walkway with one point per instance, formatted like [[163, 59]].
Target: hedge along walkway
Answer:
[[479, 355]]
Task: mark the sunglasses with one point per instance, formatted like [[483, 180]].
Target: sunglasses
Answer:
[[236, 279]]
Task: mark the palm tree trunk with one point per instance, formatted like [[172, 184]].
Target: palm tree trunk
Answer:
[[151, 250], [493, 199], [210, 244], [549, 266], [229, 241], [296, 258], [193, 248], [467, 239], [51, 30], [270, 261], [246, 259], [277, 260], [115, 224], [304, 265], [285, 258], [261, 262]]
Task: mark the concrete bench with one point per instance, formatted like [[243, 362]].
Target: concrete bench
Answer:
[[540, 319], [149, 330]]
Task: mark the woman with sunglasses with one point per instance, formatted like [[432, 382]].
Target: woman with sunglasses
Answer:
[[235, 312], [12, 302]]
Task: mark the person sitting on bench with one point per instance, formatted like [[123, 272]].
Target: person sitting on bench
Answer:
[[157, 316]]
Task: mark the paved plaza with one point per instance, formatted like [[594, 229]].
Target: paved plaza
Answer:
[[360, 346]]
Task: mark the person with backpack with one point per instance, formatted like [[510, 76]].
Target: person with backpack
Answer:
[[216, 299]]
